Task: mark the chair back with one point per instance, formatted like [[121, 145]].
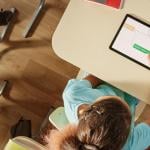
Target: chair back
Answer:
[[58, 118], [23, 143], [11, 145]]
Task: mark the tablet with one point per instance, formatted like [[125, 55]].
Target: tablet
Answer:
[[132, 40]]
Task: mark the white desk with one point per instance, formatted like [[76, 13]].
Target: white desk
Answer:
[[84, 35]]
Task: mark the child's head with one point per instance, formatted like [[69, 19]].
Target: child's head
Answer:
[[104, 125]]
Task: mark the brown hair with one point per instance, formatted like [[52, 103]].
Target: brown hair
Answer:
[[105, 125], [66, 139]]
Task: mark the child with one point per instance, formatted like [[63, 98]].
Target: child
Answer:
[[103, 116]]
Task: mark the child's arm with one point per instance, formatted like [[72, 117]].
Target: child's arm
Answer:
[[141, 137], [94, 80]]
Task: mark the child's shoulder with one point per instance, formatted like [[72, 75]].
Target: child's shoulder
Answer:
[[139, 138]]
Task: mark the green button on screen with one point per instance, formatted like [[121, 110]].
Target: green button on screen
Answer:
[[141, 49]]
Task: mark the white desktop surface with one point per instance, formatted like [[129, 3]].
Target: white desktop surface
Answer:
[[83, 37]]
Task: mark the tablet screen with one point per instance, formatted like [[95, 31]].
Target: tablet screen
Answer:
[[133, 40]]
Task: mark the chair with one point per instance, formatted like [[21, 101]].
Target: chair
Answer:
[[11, 145], [8, 16], [58, 118], [3, 84], [23, 143]]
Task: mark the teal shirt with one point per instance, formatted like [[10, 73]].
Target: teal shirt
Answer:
[[78, 92]]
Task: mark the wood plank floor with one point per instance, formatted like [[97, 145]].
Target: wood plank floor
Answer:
[[36, 75]]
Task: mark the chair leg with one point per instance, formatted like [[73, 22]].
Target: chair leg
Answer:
[[3, 85], [33, 19], [5, 27]]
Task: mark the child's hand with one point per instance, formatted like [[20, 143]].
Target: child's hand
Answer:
[[149, 58]]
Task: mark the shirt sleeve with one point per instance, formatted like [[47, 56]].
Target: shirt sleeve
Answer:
[[76, 93], [140, 137], [130, 100]]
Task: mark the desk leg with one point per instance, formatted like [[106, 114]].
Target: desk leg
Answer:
[[82, 74], [139, 109]]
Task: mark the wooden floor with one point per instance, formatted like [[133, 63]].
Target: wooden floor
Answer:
[[36, 75]]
